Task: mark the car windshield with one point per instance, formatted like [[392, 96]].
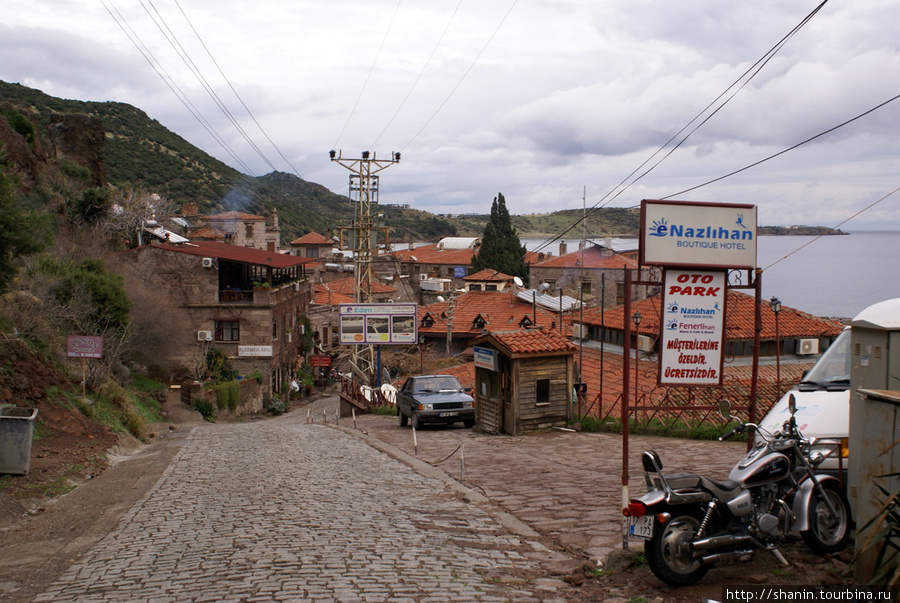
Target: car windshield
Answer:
[[833, 368], [437, 384]]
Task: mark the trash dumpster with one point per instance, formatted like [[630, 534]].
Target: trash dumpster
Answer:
[[16, 430]]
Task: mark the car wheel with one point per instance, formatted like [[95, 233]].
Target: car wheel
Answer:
[[414, 419], [403, 417], [469, 423]]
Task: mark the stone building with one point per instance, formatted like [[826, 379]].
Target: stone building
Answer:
[[248, 302]]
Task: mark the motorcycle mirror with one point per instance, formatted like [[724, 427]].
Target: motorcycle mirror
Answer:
[[725, 409], [792, 404]]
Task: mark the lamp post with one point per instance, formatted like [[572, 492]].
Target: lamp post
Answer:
[[637, 321], [421, 354], [775, 304]]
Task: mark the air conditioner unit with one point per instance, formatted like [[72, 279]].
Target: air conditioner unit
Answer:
[[204, 335], [207, 262], [644, 343], [808, 346]]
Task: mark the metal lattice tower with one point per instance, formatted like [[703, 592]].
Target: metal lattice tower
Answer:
[[367, 233]]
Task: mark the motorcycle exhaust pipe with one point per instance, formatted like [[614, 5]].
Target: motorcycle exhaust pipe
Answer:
[[714, 542], [716, 558]]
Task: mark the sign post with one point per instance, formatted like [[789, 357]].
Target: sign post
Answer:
[[84, 347]]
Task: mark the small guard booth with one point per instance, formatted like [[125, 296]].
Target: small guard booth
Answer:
[[523, 380]]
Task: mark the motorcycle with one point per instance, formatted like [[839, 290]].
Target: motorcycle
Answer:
[[689, 522]]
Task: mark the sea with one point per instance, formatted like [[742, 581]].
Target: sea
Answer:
[[835, 276]]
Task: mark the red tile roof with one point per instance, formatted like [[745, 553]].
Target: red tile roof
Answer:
[[313, 238], [592, 257], [235, 253], [739, 319], [430, 254], [324, 295], [489, 275], [347, 286], [500, 311], [233, 215], [529, 341]]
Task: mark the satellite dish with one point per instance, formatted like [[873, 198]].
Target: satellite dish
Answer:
[[517, 281], [414, 258], [440, 299], [358, 373]]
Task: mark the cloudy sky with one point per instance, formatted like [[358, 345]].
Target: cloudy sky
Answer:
[[548, 102]]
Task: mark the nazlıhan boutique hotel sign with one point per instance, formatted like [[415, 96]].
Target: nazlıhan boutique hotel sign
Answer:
[[684, 233]]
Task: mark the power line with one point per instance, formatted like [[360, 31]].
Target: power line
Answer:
[[169, 81], [836, 226], [366, 82], [460, 81], [185, 57], [740, 83], [418, 77], [238, 96], [782, 152]]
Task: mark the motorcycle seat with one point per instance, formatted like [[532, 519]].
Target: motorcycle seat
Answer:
[[723, 490]]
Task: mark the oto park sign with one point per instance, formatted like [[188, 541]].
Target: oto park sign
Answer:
[[695, 244]]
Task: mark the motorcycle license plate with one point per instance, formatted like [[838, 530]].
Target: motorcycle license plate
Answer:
[[641, 527], [449, 414]]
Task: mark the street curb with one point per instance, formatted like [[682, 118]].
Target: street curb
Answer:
[[504, 518]]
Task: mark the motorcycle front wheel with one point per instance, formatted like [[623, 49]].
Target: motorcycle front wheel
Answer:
[[828, 533], [670, 554]]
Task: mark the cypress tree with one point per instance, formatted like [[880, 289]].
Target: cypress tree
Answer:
[[501, 249]]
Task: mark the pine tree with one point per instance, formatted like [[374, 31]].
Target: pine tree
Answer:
[[501, 249]]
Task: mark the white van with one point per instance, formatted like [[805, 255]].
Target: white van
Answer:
[[823, 396]]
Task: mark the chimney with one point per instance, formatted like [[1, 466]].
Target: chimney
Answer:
[[562, 248]]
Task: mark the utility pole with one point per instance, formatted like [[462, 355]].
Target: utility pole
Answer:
[[362, 237]]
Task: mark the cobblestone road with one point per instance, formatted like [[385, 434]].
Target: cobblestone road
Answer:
[[278, 510]]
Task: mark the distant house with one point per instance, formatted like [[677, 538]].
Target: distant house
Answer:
[[449, 259], [594, 274], [312, 245], [464, 316], [247, 302], [488, 280], [234, 227]]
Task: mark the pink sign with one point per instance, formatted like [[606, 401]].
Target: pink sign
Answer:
[[84, 346]]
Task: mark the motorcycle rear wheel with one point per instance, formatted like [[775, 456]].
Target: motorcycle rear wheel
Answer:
[[828, 534], [670, 555]]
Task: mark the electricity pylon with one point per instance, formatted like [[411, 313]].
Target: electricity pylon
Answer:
[[364, 235]]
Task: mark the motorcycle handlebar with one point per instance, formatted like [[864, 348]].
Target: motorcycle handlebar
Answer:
[[733, 432]]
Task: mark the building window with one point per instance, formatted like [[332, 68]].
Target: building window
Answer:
[[586, 287], [474, 287], [248, 230], [542, 392], [228, 330], [490, 287], [312, 252]]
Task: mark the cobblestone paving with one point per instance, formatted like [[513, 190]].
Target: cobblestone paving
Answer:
[[565, 485], [282, 511]]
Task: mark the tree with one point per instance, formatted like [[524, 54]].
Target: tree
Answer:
[[501, 249], [21, 232]]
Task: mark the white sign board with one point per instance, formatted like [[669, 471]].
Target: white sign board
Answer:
[[378, 323], [254, 350], [693, 328], [485, 358], [708, 235]]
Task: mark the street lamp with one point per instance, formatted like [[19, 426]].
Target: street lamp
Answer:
[[637, 321], [775, 304]]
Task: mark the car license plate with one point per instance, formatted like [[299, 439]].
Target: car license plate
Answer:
[[641, 527], [449, 414]]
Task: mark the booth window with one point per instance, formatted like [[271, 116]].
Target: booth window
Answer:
[[542, 391]]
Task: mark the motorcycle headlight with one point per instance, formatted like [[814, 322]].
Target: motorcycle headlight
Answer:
[[816, 458]]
